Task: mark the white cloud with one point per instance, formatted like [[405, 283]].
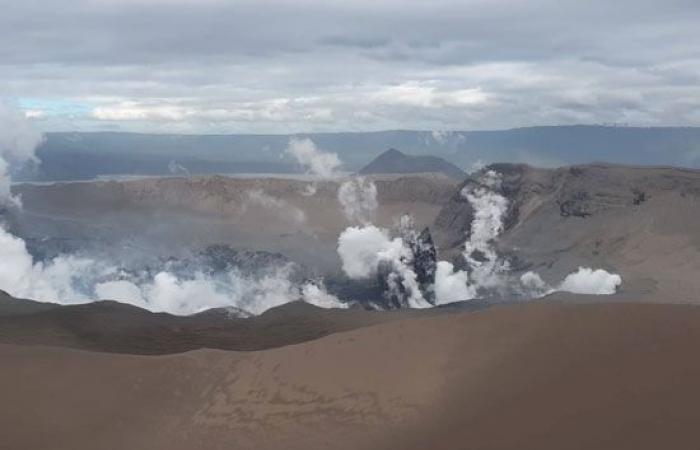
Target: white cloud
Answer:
[[127, 111], [34, 114], [443, 67], [428, 96]]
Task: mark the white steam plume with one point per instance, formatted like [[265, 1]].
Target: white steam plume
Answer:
[[313, 160], [584, 281], [363, 250], [168, 293], [315, 293], [486, 270], [358, 197], [23, 278], [123, 290], [532, 285], [286, 210], [254, 295], [359, 247], [68, 279], [490, 207], [175, 168], [6, 197], [589, 281], [310, 190], [71, 279], [18, 142], [451, 286]]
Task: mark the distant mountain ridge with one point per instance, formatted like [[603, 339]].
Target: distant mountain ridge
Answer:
[[394, 161], [77, 155]]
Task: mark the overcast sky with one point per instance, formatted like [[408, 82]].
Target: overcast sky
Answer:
[[286, 66]]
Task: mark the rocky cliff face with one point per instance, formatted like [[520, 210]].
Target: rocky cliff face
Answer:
[[425, 262], [453, 223], [422, 265], [641, 222]]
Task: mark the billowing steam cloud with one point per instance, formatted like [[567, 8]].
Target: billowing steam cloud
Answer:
[[532, 285], [254, 295], [487, 269], [584, 281], [18, 141], [452, 286], [312, 159], [68, 279], [23, 278], [359, 249], [369, 251], [358, 197], [175, 168], [405, 266], [315, 293], [286, 211], [589, 281], [74, 279]]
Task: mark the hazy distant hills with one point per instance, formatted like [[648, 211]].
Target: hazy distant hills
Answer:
[[394, 161], [85, 155]]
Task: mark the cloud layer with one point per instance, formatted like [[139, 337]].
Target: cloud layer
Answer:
[[290, 66]]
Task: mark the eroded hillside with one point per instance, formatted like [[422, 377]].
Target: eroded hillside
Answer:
[[640, 222]]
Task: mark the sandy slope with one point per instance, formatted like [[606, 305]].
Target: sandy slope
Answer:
[[527, 377]]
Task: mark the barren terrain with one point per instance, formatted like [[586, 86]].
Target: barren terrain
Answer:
[[530, 377]]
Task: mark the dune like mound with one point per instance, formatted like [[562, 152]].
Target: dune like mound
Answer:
[[532, 376], [109, 326]]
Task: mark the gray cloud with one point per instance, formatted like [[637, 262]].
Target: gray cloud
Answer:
[[288, 66]]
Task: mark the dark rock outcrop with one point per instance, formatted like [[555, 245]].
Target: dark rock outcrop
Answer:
[[453, 223], [423, 263]]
